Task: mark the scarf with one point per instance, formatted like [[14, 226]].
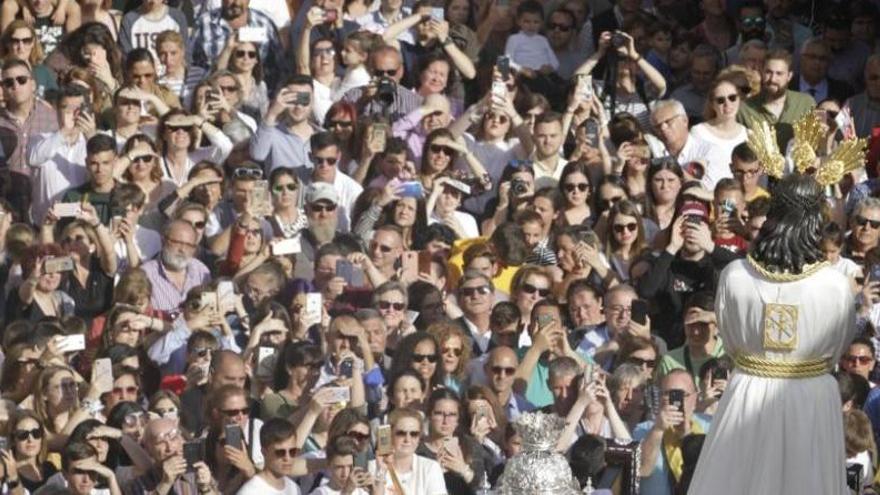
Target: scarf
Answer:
[[672, 448]]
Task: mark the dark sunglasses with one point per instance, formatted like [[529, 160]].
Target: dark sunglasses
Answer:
[[456, 351], [473, 291], [203, 351], [9, 82], [389, 305], [252, 54], [503, 370], [753, 21], [318, 208], [80, 238], [22, 435], [552, 26], [321, 160], [91, 474], [650, 363], [21, 41], [404, 434], [382, 247], [387, 73], [421, 358], [339, 123], [356, 435], [859, 359], [582, 187], [231, 413], [279, 188], [862, 221], [619, 228], [175, 128], [228, 89], [531, 289], [606, 204], [719, 100], [119, 390], [142, 159], [247, 172], [199, 225], [439, 148], [291, 452]]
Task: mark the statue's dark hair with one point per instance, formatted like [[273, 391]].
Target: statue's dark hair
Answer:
[[790, 238]]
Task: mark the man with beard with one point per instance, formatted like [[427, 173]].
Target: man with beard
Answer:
[[751, 24], [212, 32], [175, 271], [321, 202], [561, 29], [776, 104]]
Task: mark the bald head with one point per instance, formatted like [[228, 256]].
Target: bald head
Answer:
[[502, 354], [228, 369]]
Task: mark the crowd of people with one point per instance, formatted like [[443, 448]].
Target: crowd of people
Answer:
[[324, 247]]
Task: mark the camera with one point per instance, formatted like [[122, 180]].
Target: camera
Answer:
[[518, 187], [385, 90], [618, 39]]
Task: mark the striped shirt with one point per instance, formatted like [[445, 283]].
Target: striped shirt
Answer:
[[405, 102], [166, 296]]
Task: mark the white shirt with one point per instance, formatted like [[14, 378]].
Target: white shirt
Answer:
[[148, 243], [494, 157], [56, 166], [258, 486], [375, 22], [354, 78], [426, 478], [719, 152], [325, 489], [465, 220], [532, 51]]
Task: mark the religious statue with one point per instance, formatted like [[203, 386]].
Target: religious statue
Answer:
[[539, 469]]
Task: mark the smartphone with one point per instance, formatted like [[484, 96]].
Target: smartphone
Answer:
[[728, 206], [639, 311], [303, 98], [339, 394], [383, 440], [361, 460], [264, 352], [259, 199], [451, 445], [719, 374], [425, 262], [854, 478], [346, 369], [4, 443], [62, 210], [676, 398], [379, 135], [875, 273], [411, 189], [584, 88], [250, 34], [192, 453], [503, 64], [591, 130], [499, 89], [544, 320], [225, 288], [344, 270], [437, 14], [409, 262], [104, 374], [209, 302], [287, 246], [60, 264], [588, 373], [72, 343], [234, 436]]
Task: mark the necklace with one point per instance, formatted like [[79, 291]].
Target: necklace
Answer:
[[786, 276]]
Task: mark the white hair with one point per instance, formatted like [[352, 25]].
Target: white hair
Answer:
[[660, 105]]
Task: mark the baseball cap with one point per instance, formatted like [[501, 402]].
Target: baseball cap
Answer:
[[318, 191], [695, 208]]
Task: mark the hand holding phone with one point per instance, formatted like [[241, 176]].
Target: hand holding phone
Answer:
[[234, 436]]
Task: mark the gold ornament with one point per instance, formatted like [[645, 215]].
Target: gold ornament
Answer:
[[808, 136], [762, 140], [849, 156]]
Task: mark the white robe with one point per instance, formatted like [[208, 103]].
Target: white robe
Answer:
[[774, 436]]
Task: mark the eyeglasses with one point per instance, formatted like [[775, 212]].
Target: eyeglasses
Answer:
[[473, 291], [79, 238], [503, 370], [324, 51], [168, 436], [421, 358], [620, 227], [177, 128], [356, 435], [387, 73], [279, 188], [455, 351], [339, 123], [142, 159], [247, 172], [389, 305], [582, 187], [234, 413], [552, 26], [753, 21], [531, 289], [203, 351], [253, 232], [862, 221], [719, 100], [404, 434], [91, 474], [228, 89], [606, 204], [199, 225], [860, 359], [650, 363], [323, 160], [291, 452], [170, 413], [251, 54], [127, 390], [22, 435], [9, 82], [617, 308], [318, 208], [133, 419], [439, 148], [21, 41]]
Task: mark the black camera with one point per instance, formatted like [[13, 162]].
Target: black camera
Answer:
[[518, 187], [854, 478], [618, 39], [385, 90]]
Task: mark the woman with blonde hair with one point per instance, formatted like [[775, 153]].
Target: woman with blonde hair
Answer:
[[19, 40], [455, 352], [859, 443]]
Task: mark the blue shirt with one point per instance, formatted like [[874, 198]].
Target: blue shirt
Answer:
[[276, 146], [658, 482]]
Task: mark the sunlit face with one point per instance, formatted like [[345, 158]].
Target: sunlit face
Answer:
[[665, 186], [444, 418], [584, 308], [170, 55], [298, 113], [323, 58], [775, 77], [21, 43], [392, 306], [61, 391], [475, 297], [78, 244], [407, 433], [629, 398], [424, 359], [670, 125], [142, 74], [864, 232], [405, 212], [533, 289], [451, 350], [618, 310], [279, 460], [495, 126], [725, 100], [245, 57], [407, 391], [125, 388], [285, 191], [229, 86], [564, 390], [484, 265], [576, 188], [341, 125], [858, 359], [385, 248], [28, 437], [435, 77], [625, 230], [80, 482], [548, 138]]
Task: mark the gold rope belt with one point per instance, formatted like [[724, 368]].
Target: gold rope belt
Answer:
[[772, 368]]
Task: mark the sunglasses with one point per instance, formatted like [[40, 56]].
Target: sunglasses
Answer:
[[253, 232], [279, 188], [390, 305], [606, 204], [473, 291], [339, 123], [9, 82], [142, 159], [321, 160], [228, 89], [455, 351], [177, 128], [91, 474], [129, 390], [232, 413], [324, 51], [170, 413], [247, 172], [404, 434], [74, 238], [291, 452], [356, 435], [582, 187], [251, 54], [317, 208], [421, 358], [650, 363], [619, 228], [503, 370], [552, 26], [22, 435], [387, 73], [382, 247], [753, 21], [719, 100], [860, 359], [21, 41], [531, 289], [439, 148], [862, 221]]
